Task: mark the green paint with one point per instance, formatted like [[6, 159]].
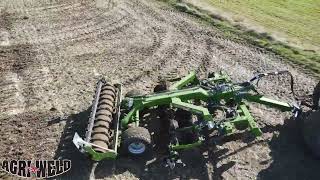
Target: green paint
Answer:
[[184, 97], [96, 156]]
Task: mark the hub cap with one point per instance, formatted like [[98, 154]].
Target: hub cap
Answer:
[[136, 148]]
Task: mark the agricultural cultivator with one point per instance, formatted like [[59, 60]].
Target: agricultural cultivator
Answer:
[[192, 112]]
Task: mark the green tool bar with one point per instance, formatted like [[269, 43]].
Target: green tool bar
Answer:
[[96, 156], [176, 102], [270, 102], [184, 81], [252, 124], [127, 118], [165, 98]]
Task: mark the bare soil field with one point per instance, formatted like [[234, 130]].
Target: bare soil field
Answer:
[[52, 52]]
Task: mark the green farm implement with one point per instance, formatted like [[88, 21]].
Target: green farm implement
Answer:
[[190, 111]]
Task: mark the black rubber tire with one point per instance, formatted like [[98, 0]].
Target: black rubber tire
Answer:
[[136, 134], [134, 92], [311, 132], [316, 96]]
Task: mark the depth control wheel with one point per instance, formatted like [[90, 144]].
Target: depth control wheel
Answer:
[[136, 141]]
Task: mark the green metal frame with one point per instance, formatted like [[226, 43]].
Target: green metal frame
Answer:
[[97, 156], [179, 96]]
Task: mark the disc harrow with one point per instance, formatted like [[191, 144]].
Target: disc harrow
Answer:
[[194, 112]]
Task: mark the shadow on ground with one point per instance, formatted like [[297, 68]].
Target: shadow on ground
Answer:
[[290, 158], [152, 165], [80, 165], [200, 163], [198, 166], [149, 167]]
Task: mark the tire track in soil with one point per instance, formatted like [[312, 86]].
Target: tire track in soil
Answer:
[[81, 31], [161, 66], [13, 61], [63, 47], [94, 22], [19, 85]]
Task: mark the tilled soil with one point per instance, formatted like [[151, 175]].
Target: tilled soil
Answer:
[[52, 52]]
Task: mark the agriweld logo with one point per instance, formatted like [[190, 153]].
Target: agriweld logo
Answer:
[[36, 169]]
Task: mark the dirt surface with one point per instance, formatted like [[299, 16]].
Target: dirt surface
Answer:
[[52, 52]]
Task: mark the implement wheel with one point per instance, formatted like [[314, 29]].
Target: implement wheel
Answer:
[[316, 96], [136, 141], [311, 132]]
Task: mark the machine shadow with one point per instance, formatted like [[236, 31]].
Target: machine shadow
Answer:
[[196, 168], [200, 163], [289, 157], [151, 165], [80, 164]]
